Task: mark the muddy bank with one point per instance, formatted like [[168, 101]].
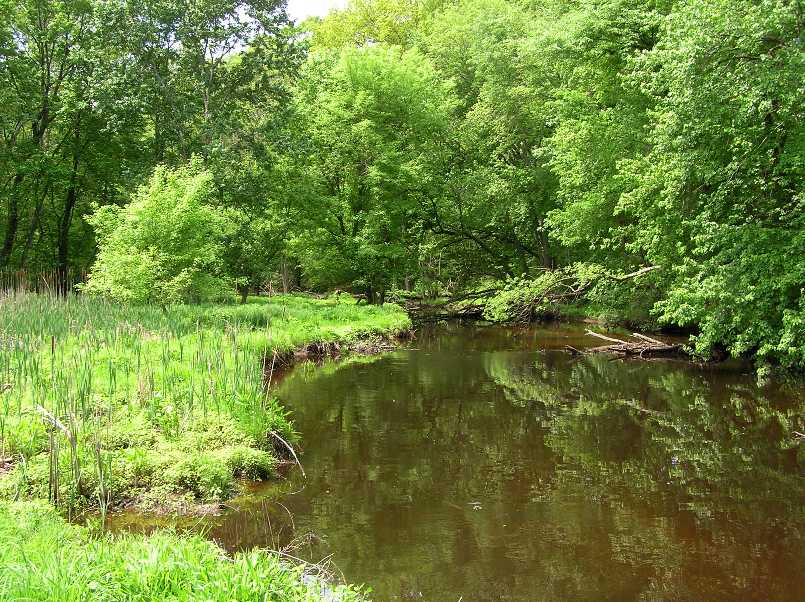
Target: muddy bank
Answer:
[[277, 364]]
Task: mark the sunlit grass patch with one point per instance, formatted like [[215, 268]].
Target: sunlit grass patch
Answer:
[[44, 558], [102, 403]]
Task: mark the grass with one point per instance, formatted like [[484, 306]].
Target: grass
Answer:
[[104, 404], [43, 558]]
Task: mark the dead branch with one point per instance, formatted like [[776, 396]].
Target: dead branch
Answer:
[[604, 337], [643, 348], [290, 449], [639, 272], [649, 339]]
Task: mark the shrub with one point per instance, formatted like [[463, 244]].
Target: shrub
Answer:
[[166, 246], [249, 463]]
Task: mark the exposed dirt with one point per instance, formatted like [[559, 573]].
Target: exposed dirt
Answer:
[[276, 366], [6, 464]]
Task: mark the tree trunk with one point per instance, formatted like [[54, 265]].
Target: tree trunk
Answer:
[[33, 227], [545, 251], [12, 223], [284, 273], [62, 265], [38, 128], [244, 293], [297, 276]]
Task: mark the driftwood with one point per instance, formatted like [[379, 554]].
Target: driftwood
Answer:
[[644, 346]]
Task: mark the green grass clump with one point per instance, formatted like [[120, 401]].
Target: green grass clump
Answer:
[[103, 404], [46, 559]]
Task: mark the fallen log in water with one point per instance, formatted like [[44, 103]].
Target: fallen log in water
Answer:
[[644, 346], [464, 308]]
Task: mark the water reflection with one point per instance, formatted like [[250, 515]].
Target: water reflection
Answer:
[[486, 464]]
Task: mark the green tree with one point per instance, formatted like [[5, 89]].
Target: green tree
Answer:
[[372, 117], [96, 93], [497, 189], [69, 123], [365, 22], [718, 199], [166, 246]]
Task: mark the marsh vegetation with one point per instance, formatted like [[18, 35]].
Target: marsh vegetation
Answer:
[[105, 405]]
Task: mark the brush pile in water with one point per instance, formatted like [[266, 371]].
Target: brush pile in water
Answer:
[[642, 347]]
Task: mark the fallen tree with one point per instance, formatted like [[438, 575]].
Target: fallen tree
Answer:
[[465, 306], [519, 299], [527, 299], [642, 347]]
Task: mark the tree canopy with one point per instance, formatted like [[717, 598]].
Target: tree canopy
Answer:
[[430, 145]]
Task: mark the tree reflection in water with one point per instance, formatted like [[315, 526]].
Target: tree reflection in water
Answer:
[[486, 464]]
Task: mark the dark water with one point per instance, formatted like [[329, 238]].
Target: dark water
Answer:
[[486, 464]]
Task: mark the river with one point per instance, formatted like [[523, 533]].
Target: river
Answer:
[[486, 464]]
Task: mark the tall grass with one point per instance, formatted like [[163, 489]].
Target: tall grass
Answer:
[[101, 403], [45, 559]]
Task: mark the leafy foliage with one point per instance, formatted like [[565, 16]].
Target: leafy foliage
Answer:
[[429, 145], [166, 246], [363, 112]]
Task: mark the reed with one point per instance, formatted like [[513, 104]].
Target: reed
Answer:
[[103, 404]]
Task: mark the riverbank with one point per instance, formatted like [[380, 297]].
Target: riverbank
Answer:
[[107, 406], [45, 558], [425, 467]]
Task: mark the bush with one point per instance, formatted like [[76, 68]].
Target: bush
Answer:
[[166, 246]]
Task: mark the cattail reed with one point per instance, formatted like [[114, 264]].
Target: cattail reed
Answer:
[[77, 372]]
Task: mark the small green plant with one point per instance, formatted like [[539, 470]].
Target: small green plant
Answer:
[[203, 475], [249, 463]]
